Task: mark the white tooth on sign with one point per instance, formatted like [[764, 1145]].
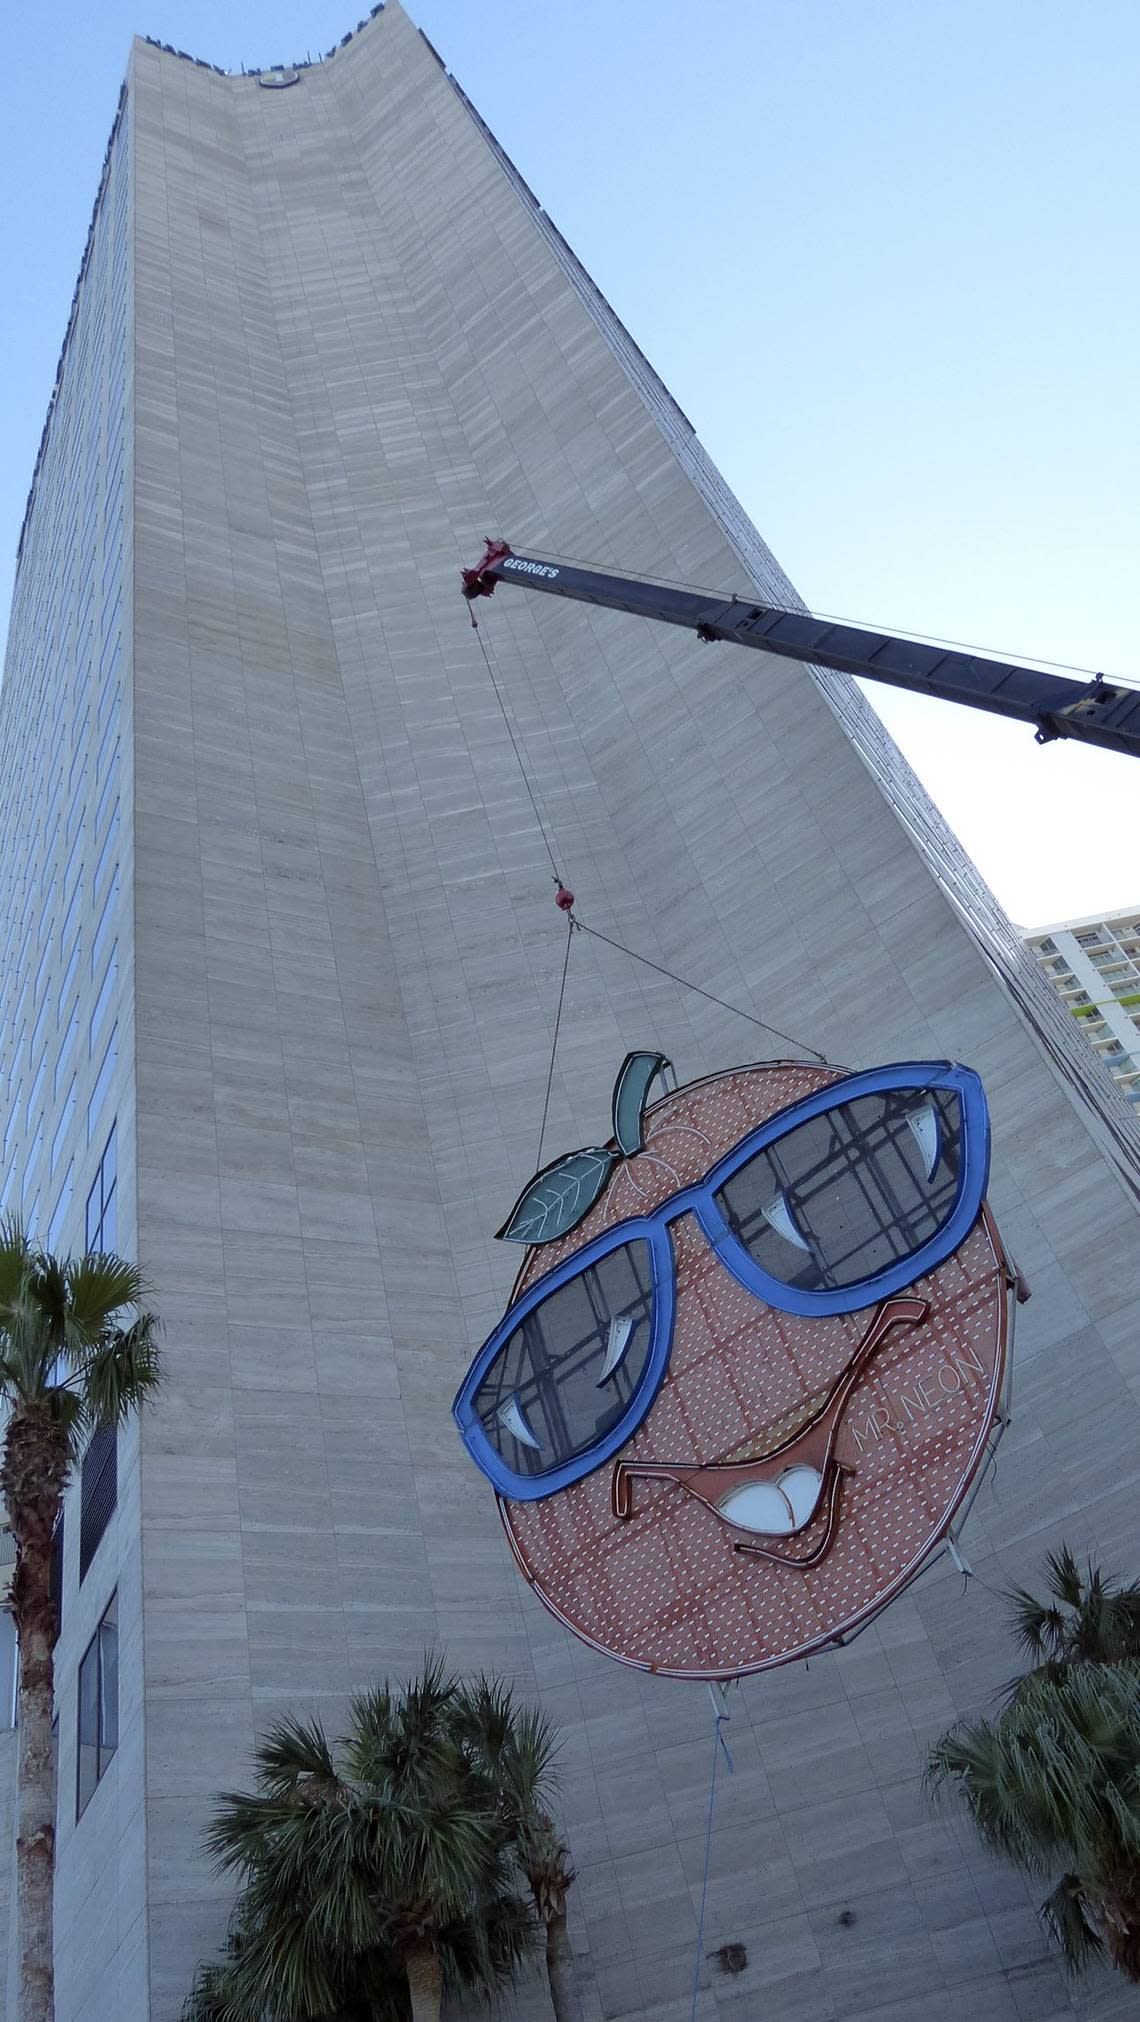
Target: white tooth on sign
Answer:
[[778, 1216], [775, 1508], [924, 1125], [621, 1327], [759, 1506], [801, 1485], [511, 1415]]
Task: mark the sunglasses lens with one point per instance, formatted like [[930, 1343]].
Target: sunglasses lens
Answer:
[[567, 1374], [851, 1191]]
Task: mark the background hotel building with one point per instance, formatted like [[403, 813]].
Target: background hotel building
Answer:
[[279, 972], [1094, 966]]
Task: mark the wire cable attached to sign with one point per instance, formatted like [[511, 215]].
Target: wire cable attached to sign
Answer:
[[518, 756], [700, 992], [722, 1715], [564, 900], [554, 1042]]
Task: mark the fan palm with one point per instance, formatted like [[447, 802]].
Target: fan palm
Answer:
[[517, 1746], [373, 1877], [1086, 1619], [77, 1350], [1055, 1777]]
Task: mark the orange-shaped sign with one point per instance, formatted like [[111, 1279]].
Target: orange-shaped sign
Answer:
[[753, 1360]]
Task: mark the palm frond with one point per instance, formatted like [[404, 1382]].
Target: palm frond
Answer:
[[1054, 1777], [1063, 1916], [348, 1853], [96, 1288], [118, 1372], [1039, 1626], [1063, 1577], [15, 1258], [483, 1953], [293, 1748]]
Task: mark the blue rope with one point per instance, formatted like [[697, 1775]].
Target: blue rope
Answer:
[[719, 1742]]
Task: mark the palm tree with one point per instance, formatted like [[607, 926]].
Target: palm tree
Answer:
[[77, 1350], [386, 1867], [1056, 1775], [517, 1746], [1087, 1618]]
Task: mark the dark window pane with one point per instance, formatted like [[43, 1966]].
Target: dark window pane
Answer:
[[98, 1714], [97, 1494], [100, 1226], [851, 1191], [88, 1762], [565, 1377], [93, 1215], [108, 1689]]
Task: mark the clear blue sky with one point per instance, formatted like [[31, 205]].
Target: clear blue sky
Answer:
[[884, 252]]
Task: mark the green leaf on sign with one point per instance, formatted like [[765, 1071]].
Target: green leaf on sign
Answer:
[[636, 1075], [556, 1199]]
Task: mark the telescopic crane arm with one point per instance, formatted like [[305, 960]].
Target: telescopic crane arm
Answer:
[[1095, 712]]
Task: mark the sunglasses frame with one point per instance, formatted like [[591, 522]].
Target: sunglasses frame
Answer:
[[699, 1200]]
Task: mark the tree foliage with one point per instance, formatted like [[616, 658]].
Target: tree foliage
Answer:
[[384, 1872], [1053, 1781], [78, 1349]]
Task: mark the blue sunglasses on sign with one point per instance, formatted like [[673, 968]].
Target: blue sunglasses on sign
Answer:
[[830, 1206]]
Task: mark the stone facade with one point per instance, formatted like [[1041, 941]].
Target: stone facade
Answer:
[[357, 347]]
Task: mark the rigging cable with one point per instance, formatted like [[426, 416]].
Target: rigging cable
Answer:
[[554, 1042], [696, 987], [719, 1742], [517, 752], [564, 900]]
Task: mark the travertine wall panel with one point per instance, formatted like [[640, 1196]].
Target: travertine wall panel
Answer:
[[356, 353]]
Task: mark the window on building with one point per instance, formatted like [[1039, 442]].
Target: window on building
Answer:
[[98, 1493], [37, 1087], [61, 1210], [60, 1138], [104, 999], [107, 852], [101, 1223], [98, 1707], [31, 1163], [68, 976], [103, 1083], [106, 918], [63, 1057]]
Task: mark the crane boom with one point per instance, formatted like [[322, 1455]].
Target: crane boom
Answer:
[[1096, 712]]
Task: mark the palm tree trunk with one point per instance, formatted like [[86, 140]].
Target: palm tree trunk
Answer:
[[32, 1477], [564, 1995], [35, 1827], [1119, 1925], [425, 1982]]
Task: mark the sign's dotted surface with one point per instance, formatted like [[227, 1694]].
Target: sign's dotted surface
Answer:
[[666, 1589]]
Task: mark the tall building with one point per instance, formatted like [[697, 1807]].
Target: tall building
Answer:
[[280, 975], [1094, 966]]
